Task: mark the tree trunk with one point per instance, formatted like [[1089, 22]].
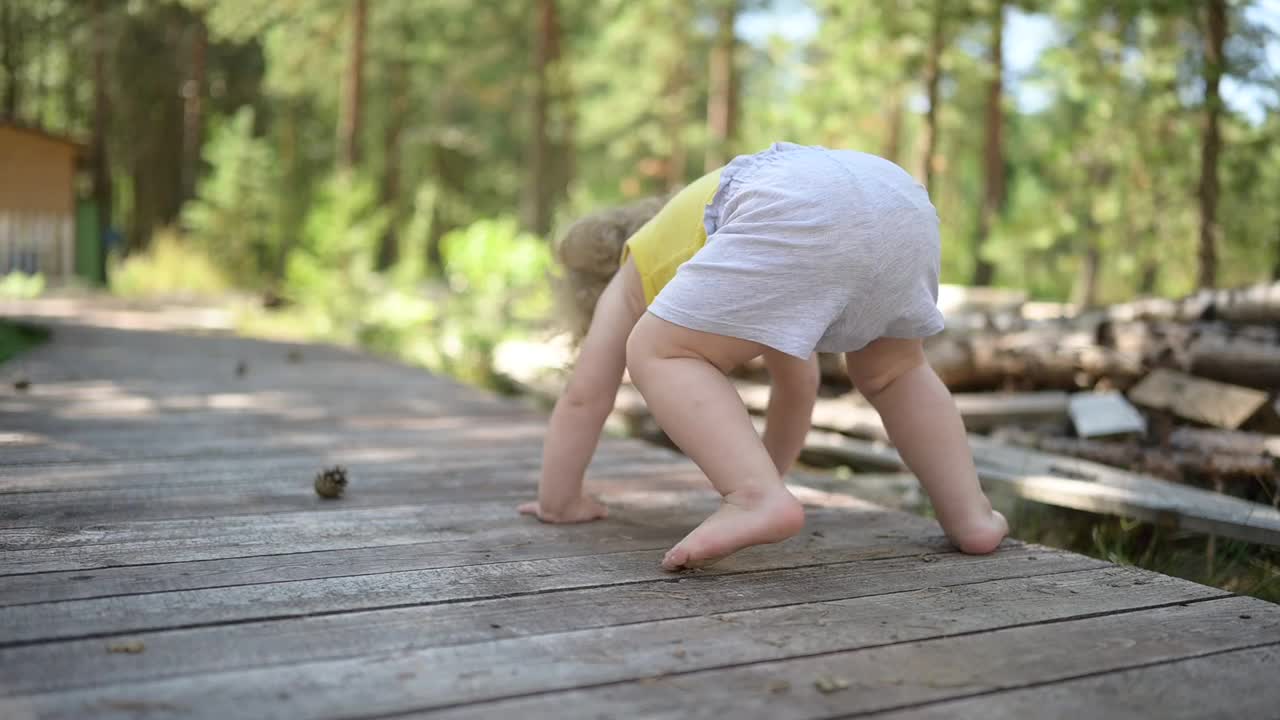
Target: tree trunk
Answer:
[[72, 112], [39, 103], [353, 98], [933, 76], [722, 100], [1085, 295], [1215, 37], [539, 193], [292, 212], [1275, 268], [993, 155], [193, 108], [388, 249], [10, 38], [102, 196], [676, 100], [892, 144]]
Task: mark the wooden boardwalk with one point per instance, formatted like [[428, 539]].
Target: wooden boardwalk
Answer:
[[164, 555]]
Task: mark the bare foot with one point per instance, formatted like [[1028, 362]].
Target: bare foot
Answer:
[[982, 536], [737, 524]]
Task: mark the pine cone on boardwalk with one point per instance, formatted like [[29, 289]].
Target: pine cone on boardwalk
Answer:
[[331, 483]]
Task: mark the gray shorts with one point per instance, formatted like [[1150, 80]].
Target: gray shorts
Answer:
[[812, 249]]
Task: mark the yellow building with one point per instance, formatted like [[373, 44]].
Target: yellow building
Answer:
[[37, 202]]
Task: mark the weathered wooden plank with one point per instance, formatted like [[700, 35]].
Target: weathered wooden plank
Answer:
[[1222, 686], [38, 549], [129, 613], [903, 674], [24, 446], [1101, 488], [505, 537], [1206, 401], [487, 542], [273, 467], [673, 654], [1056, 480], [1225, 441], [370, 486], [1013, 587]]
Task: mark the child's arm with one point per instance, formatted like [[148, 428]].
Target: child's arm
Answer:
[[580, 413], [791, 400]]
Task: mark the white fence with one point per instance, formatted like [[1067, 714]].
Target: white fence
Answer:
[[37, 243]]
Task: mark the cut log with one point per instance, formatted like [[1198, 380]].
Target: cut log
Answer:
[[1253, 304], [1234, 442], [1080, 485], [539, 368], [1100, 414], [1244, 362], [1048, 358], [1205, 401], [1174, 465]]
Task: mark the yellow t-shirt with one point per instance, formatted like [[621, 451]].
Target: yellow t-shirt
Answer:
[[672, 236]]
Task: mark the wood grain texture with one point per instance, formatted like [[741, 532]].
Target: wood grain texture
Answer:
[[1014, 584], [163, 559], [905, 674], [128, 613], [1217, 686]]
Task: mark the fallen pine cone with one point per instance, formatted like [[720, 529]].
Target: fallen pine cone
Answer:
[[332, 482]]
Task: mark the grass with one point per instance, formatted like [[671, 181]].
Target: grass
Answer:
[[170, 268], [16, 338], [1233, 565]]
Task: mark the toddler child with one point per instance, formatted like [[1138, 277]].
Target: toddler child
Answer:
[[780, 254]]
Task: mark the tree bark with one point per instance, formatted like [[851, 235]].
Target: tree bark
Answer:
[[102, 196], [388, 249], [676, 101], [933, 76], [722, 100], [10, 57], [993, 156], [353, 98], [193, 91], [892, 144], [1174, 465], [1086, 292], [1214, 39], [539, 188], [1275, 269]]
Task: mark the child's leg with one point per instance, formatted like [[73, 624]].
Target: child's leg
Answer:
[[922, 420], [680, 372], [791, 399]]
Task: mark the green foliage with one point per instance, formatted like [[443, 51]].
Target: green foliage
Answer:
[[173, 267], [21, 285], [17, 338], [499, 286], [237, 215]]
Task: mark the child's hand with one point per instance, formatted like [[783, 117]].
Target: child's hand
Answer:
[[584, 509]]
